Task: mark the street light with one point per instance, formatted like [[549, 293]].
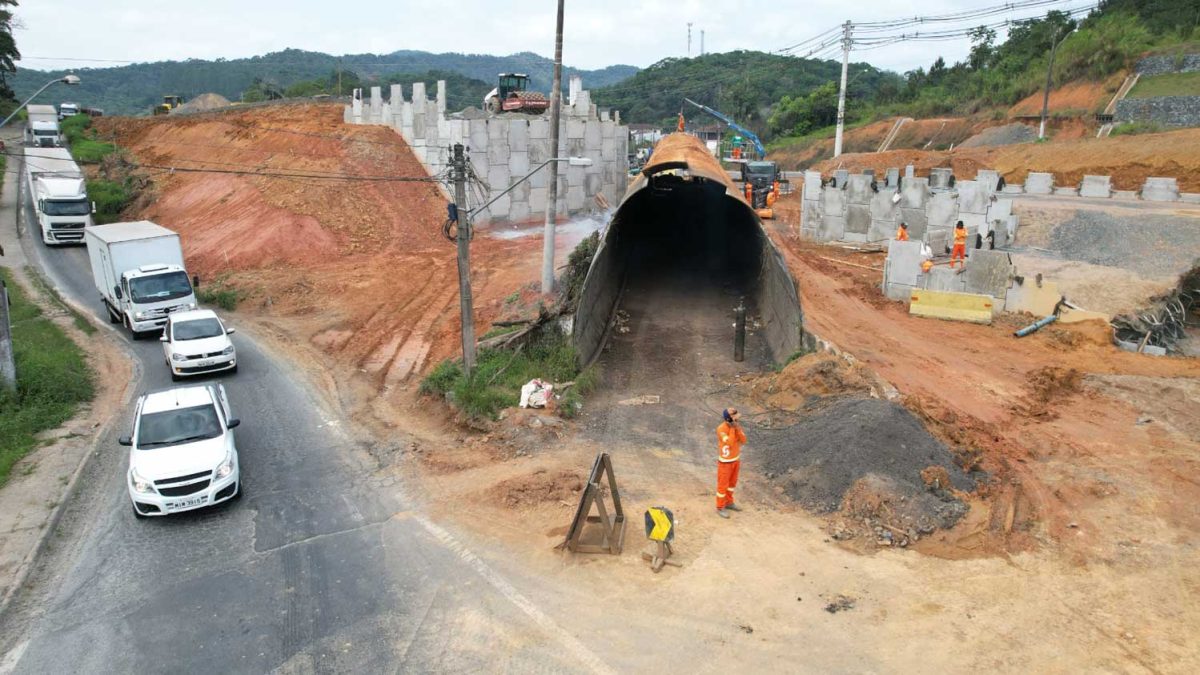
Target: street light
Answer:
[[66, 79], [1049, 81], [463, 239]]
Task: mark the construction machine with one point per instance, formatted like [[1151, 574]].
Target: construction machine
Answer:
[[510, 96], [762, 181], [749, 135], [169, 103]]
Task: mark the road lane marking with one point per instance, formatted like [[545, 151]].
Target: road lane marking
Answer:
[[580, 651]]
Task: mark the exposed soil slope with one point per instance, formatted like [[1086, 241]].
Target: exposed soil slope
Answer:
[[358, 267]]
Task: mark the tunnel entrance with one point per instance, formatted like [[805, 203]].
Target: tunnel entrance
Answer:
[[679, 254]]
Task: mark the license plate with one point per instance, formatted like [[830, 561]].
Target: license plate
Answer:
[[187, 503], [207, 362]]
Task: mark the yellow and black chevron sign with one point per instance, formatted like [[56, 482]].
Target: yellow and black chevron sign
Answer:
[[660, 524]]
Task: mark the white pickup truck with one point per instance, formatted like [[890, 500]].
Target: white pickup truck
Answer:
[[59, 194], [138, 269], [42, 130]]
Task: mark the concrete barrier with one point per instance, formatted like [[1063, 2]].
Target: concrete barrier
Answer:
[[1160, 189], [1066, 192], [951, 306], [1190, 197], [1014, 189], [1096, 186], [1039, 183]]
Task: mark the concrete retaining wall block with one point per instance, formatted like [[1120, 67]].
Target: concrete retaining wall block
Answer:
[[1096, 186], [1158, 189], [1039, 183]]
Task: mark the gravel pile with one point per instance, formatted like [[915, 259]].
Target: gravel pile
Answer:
[[1009, 134], [1152, 245], [819, 459], [204, 103]]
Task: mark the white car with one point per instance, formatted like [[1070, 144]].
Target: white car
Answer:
[[196, 342], [182, 454]]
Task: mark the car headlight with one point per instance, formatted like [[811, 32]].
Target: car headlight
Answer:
[[225, 468], [141, 484], [139, 315], [227, 351], [177, 357]]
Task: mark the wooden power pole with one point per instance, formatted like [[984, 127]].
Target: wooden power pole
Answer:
[[8, 364], [552, 192]]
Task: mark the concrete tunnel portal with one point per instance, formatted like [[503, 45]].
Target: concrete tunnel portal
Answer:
[[684, 240]]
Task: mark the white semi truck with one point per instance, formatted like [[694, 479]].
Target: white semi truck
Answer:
[[59, 194], [42, 130], [138, 269]]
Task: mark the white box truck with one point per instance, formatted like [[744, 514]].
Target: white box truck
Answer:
[[42, 130], [66, 110], [58, 191], [138, 269]]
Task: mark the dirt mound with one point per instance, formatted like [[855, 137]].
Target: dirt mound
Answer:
[[1009, 134], [1081, 98], [819, 459], [540, 487], [914, 134], [807, 379], [896, 516], [1047, 386], [203, 103]]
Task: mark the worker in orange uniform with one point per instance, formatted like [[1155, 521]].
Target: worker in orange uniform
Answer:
[[730, 439], [959, 252], [902, 232], [680, 126]]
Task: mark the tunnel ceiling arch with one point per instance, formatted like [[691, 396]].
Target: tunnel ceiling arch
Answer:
[[684, 195]]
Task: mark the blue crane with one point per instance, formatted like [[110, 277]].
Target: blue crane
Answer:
[[762, 152]]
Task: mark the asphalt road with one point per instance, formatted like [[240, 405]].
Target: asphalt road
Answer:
[[320, 567]]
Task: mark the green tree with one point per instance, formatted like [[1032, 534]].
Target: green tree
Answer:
[[8, 56]]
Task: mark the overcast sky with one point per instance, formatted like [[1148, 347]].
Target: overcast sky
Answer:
[[597, 33]]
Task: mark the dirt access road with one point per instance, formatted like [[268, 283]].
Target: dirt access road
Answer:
[[1111, 593]]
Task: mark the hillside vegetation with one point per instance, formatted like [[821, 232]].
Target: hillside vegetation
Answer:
[[744, 85], [461, 91], [133, 89]]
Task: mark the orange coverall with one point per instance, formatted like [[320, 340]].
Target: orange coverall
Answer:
[[959, 252], [730, 439], [902, 234], [680, 127]]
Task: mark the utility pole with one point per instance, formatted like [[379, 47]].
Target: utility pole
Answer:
[[689, 39], [552, 193], [701, 42], [339, 71], [841, 114], [8, 364], [1049, 81], [459, 165]]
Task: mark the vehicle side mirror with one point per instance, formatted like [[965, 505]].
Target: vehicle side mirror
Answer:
[[195, 281], [233, 422], [93, 207], [163, 339], [117, 291], [125, 440], [230, 331]]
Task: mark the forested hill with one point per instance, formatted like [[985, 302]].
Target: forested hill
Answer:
[[133, 89], [742, 84]]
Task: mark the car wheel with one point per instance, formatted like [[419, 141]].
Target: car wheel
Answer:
[[237, 495], [138, 514], [233, 370], [112, 318], [174, 377]]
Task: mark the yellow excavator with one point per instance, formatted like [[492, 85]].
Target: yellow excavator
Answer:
[[169, 103]]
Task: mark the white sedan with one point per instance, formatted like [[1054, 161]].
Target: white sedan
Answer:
[[197, 342], [182, 454]]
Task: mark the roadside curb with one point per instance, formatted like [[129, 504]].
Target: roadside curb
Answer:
[[67, 495]]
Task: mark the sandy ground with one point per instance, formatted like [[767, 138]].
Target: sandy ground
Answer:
[[1079, 555]]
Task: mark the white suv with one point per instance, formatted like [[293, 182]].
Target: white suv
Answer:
[[197, 342], [182, 454]]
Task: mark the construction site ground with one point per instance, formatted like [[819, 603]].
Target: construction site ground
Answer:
[[1078, 550]]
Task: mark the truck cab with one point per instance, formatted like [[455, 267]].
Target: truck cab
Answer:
[[148, 294], [43, 134], [62, 207], [66, 110]]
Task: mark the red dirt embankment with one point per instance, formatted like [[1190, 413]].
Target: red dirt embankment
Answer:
[[1128, 159], [342, 256]]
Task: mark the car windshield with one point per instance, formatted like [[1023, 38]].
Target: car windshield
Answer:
[[77, 207], [160, 287], [197, 329], [181, 425], [45, 132]]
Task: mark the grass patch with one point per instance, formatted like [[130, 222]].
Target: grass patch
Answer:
[[77, 318], [110, 197], [81, 138], [219, 294], [1168, 84], [496, 331], [500, 373], [578, 264], [52, 379], [1135, 128]]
